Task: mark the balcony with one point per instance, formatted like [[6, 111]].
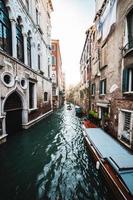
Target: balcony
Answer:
[[127, 48], [127, 53]]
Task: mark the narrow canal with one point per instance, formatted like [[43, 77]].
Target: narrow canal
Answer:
[[50, 162]]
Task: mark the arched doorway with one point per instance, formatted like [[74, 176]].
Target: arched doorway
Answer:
[[13, 108]]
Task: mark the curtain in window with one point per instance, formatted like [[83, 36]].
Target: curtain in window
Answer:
[[5, 29], [20, 42], [29, 50]]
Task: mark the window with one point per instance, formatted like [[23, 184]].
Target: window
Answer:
[[93, 89], [53, 47], [27, 4], [127, 80], [45, 96], [48, 70], [39, 62], [49, 67], [125, 126], [20, 42], [5, 29], [102, 90], [37, 16], [29, 49], [7, 79], [53, 60], [130, 28], [104, 56], [32, 95]]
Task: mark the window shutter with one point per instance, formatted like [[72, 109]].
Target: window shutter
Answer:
[[130, 28], [105, 86], [100, 87], [125, 80], [94, 89]]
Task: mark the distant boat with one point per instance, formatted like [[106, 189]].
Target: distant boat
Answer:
[[78, 111], [69, 107]]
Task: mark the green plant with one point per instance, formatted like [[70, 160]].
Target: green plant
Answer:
[[106, 115], [95, 115]]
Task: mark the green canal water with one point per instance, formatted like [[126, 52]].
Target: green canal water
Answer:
[[50, 162]]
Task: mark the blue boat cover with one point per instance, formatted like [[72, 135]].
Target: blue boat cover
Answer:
[[118, 156]]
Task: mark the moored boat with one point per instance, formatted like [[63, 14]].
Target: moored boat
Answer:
[[114, 161], [78, 111], [69, 107]]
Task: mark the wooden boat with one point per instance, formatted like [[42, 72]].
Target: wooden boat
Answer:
[[114, 161]]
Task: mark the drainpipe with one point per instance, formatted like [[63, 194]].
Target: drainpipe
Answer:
[[90, 75]]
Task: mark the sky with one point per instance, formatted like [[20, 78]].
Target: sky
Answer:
[[70, 20]]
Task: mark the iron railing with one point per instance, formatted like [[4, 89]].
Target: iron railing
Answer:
[[128, 47]]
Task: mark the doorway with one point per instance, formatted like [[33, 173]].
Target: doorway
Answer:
[[13, 109]]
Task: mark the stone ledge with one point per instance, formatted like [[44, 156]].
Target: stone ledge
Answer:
[[34, 121]]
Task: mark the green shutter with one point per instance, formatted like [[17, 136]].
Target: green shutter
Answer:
[[100, 87], [104, 86], [125, 80]]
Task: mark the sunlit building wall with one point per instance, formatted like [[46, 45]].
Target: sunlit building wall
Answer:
[[57, 75], [25, 64]]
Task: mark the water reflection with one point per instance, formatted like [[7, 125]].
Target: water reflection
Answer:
[[70, 173], [49, 161]]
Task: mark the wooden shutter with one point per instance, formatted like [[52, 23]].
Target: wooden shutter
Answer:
[[104, 56]]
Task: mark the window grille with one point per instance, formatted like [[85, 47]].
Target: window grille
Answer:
[[127, 121]]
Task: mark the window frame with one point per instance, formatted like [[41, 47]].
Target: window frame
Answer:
[[102, 87], [53, 60], [39, 61], [53, 47], [130, 28], [127, 81], [5, 24], [29, 60], [19, 42], [37, 16], [27, 4], [45, 97], [93, 89], [33, 96], [122, 135]]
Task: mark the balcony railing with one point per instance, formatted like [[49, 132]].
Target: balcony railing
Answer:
[[127, 48]]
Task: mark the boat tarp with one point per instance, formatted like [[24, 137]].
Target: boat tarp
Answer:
[[118, 156]]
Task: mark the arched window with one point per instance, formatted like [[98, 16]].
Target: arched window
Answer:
[[130, 28], [27, 4], [39, 57], [29, 49], [45, 96], [20, 42], [5, 29]]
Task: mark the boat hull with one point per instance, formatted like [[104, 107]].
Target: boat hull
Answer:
[[116, 186]]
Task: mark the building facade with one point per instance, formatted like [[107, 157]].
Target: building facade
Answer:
[[25, 64], [111, 68], [85, 71], [58, 78]]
